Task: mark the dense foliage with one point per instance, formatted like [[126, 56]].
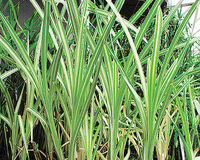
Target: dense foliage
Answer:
[[86, 83]]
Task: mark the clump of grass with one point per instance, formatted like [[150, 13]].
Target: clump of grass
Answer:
[[87, 102]]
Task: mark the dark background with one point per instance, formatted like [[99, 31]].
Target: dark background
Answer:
[[26, 9]]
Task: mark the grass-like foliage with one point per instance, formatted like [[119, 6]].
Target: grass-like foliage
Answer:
[[95, 86]]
